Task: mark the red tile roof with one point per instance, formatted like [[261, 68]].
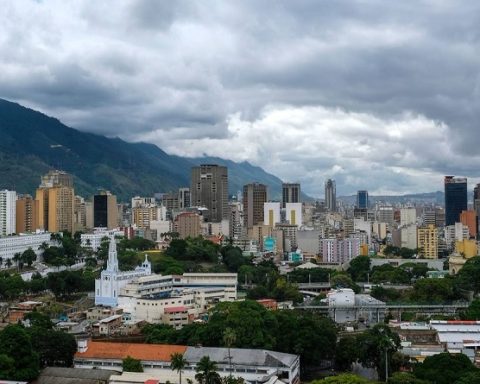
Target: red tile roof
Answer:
[[116, 351], [175, 309]]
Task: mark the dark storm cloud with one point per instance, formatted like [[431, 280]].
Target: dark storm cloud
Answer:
[[185, 72]]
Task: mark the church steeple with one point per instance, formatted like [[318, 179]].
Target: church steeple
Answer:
[[112, 263]]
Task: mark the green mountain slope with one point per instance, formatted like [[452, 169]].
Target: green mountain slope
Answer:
[[32, 143]]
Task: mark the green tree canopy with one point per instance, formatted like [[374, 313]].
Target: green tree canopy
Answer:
[[15, 344], [444, 368], [207, 371], [129, 364]]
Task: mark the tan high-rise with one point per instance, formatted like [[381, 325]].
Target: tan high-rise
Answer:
[[56, 200], [427, 242], [27, 214]]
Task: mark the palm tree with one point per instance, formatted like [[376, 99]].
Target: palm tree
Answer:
[[207, 371], [8, 263], [229, 338], [177, 363], [17, 257]]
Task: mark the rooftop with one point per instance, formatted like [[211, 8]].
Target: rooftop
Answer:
[[119, 351]]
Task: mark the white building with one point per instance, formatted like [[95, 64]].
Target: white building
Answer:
[[408, 216], [293, 213], [11, 245], [94, 240], [107, 288], [7, 212], [408, 236], [457, 232], [271, 213]]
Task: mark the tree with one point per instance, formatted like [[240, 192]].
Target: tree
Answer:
[[7, 366], [405, 378], [346, 353], [28, 257], [473, 311], [229, 338], [38, 319], [469, 378], [444, 368], [376, 347], [177, 363], [16, 345], [342, 280], [129, 364], [359, 268], [207, 371], [345, 378], [468, 278], [55, 348]]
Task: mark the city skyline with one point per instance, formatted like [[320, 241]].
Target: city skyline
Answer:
[[347, 91]]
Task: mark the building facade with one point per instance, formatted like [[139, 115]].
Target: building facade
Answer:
[[330, 195], [209, 188], [8, 212], [105, 211], [290, 193], [455, 198], [254, 197]]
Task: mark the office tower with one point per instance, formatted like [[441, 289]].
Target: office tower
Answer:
[[27, 214], [293, 213], [330, 196], [427, 242], [79, 214], [105, 211], [188, 224], [56, 178], [469, 218], [362, 200], [271, 213], [142, 216], [455, 198], [56, 201], [183, 198], [254, 197], [7, 212], [235, 220], [385, 215], [290, 193], [408, 216], [209, 189]]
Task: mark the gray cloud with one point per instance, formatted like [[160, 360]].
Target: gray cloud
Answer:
[[189, 75]]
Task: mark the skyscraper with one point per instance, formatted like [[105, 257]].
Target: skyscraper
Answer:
[[362, 200], [105, 212], [290, 193], [330, 195], [254, 197], [7, 212], [455, 198], [209, 188], [56, 200], [27, 214]]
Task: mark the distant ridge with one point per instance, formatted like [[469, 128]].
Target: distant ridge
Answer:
[[437, 197], [32, 143]]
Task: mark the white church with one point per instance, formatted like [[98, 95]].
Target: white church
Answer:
[[112, 280]]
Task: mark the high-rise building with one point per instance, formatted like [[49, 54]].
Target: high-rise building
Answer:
[[235, 220], [362, 200], [293, 213], [183, 198], [105, 211], [188, 224], [271, 213], [27, 214], [427, 242], [80, 214], [56, 200], [469, 218], [455, 198], [408, 216], [290, 193], [330, 195], [254, 197], [209, 189], [7, 212]]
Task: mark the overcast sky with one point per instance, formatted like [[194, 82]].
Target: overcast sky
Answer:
[[379, 95]]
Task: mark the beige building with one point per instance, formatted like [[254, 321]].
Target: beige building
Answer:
[[56, 207], [188, 224], [56, 200], [27, 214], [105, 210], [427, 241], [142, 216], [254, 197]]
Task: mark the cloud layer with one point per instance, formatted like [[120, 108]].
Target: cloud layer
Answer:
[[378, 95]]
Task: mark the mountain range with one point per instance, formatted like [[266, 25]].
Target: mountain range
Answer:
[[32, 143]]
